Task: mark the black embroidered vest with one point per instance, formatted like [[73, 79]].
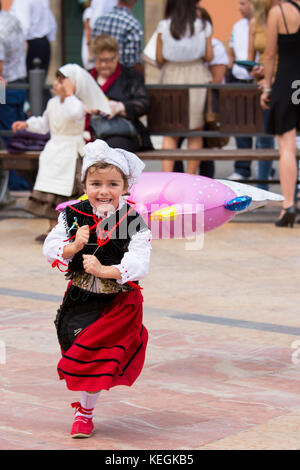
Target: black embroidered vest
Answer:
[[122, 225]]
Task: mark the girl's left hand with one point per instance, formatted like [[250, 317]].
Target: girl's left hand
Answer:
[[92, 265]]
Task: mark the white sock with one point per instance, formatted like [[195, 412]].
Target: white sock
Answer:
[[88, 402]]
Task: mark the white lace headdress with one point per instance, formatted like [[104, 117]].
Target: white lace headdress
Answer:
[[128, 162], [87, 89]]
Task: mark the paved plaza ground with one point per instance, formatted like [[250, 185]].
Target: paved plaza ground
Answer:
[[223, 362]]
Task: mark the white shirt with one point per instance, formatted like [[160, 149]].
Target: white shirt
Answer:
[[220, 54], [12, 48], [36, 18], [134, 264], [84, 46], [100, 8], [72, 107], [239, 43], [188, 48]]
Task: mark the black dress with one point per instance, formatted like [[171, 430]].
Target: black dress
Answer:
[[284, 110]]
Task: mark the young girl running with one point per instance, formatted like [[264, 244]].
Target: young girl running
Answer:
[[104, 246], [58, 177]]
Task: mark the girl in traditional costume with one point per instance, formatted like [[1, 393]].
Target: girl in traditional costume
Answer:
[[104, 246], [58, 176]]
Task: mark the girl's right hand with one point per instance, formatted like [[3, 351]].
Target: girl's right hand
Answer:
[[19, 126], [82, 237]]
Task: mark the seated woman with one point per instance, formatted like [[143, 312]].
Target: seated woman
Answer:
[[126, 91]]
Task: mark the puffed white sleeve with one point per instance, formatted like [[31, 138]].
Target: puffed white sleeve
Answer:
[[208, 29], [220, 54], [136, 261], [73, 108], [162, 26], [55, 242], [39, 124]]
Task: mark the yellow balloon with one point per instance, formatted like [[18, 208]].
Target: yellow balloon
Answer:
[[83, 197], [168, 213]]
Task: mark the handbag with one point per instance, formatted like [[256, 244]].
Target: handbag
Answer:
[[103, 127], [212, 122], [149, 53]]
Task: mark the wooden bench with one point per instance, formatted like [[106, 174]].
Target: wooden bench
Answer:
[[27, 163], [240, 115]]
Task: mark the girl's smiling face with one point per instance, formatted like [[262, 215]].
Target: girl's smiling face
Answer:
[[104, 187]]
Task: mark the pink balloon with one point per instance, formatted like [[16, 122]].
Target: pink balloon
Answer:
[[190, 194], [63, 205], [199, 203]]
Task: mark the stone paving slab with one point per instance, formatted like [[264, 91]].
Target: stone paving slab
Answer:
[[217, 376]]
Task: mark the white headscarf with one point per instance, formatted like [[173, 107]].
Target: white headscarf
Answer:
[[87, 90], [99, 151]]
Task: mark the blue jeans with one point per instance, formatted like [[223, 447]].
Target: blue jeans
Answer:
[[264, 168], [10, 112], [243, 167]]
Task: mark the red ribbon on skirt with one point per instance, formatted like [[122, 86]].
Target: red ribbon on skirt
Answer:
[[109, 352]]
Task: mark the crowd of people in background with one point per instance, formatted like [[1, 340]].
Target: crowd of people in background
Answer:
[[187, 52], [26, 29]]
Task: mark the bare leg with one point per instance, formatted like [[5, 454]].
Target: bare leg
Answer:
[[169, 143], [288, 166], [197, 144]]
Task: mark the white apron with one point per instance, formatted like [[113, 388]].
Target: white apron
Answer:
[[57, 162]]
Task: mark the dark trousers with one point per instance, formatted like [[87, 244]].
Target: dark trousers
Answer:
[[243, 168], [206, 168], [10, 112], [38, 48]]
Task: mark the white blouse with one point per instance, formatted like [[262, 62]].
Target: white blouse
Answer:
[[220, 54], [134, 264], [72, 108], [187, 48], [36, 18]]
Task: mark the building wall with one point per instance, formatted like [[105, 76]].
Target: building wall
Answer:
[[154, 10], [224, 14]]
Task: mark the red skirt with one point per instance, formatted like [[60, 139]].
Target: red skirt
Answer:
[[110, 351]]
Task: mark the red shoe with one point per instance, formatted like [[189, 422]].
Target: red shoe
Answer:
[[82, 426]]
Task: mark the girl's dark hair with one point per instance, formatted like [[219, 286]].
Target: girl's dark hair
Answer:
[[182, 14], [205, 16], [58, 74]]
